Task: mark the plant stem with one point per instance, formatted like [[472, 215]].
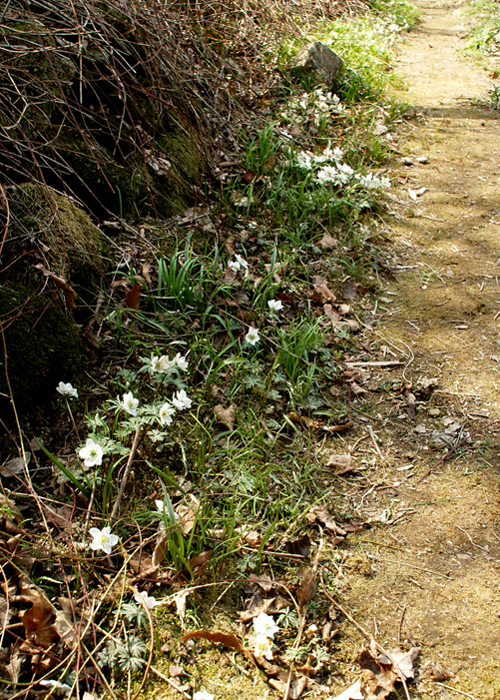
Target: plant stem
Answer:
[[135, 445]]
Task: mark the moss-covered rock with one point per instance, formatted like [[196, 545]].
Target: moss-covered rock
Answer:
[[47, 233], [49, 229], [43, 348]]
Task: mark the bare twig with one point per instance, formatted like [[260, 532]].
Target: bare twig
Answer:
[[135, 445], [368, 636], [455, 447], [456, 690]]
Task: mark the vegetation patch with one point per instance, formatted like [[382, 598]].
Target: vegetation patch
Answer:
[[180, 504]]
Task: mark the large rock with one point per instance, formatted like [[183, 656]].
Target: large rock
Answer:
[[318, 64], [53, 261]]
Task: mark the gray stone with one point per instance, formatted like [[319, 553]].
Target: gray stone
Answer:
[[318, 63]]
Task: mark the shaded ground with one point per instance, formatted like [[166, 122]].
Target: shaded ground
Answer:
[[436, 579]]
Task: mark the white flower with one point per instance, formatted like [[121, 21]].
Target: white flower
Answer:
[[243, 263], [103, 539], [323, 106], [165, 364], [252, 337], [66, 689], [69, 391], [275, 304], [263, 647], [345, 172], [148, 601], [304, 160], [91, 453], [327, 174], [129, 403], [160, 505], [181, 362], [166, 413], [203, 695], [181, 400], [155, 364], [338, 153], [265, 625], [232, 265]]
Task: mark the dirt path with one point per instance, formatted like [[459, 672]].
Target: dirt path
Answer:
[[436, 569]]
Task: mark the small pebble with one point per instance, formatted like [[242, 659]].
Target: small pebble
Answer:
[[422, 159], [435, 412], [407, 161]]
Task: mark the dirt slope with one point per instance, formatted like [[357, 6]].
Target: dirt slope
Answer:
[[435, 577]]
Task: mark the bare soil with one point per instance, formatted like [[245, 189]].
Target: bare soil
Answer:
[[435, 564]]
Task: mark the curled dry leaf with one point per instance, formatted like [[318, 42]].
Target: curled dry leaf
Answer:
[[253, 538], [378, 678], [133, 296], [352, 693], [307, 588], [37, 620], [225, 416], [328, 241], [403, 661], [301, 546], [341, 464], [61, 283], [180, 604], [331, 314], [323, 294], [187, 514], [66, 624], [197, 565], [320, 514], [14, 466], [263, 581], [228, 640]]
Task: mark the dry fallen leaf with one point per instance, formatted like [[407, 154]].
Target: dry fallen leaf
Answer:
[[180, 604], [328, 241], [228, 640], [14, 466], [263, 581], [321, 514], [253, 538], [307, 589], [187, 514], [133, 296], [404, 661], [342, 464], [60, 282], [37, 620], [331, 314], [378, 678], [197, 565], [352, 693], [323, 294], [226, 416]]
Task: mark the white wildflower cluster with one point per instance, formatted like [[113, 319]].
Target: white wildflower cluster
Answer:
[[328, 167], [164, 364], [308, 161], [239, 263], [317, 105], [264, 629]]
